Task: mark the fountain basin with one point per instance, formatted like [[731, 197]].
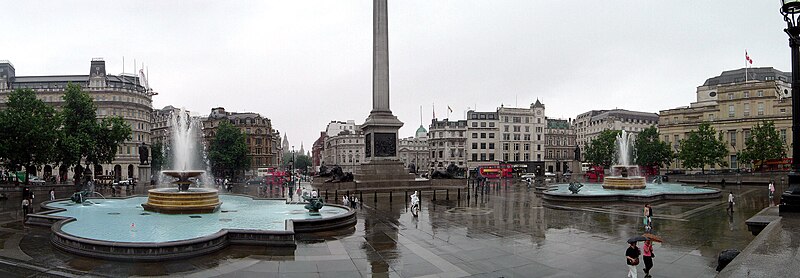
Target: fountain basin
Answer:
[[119, 228], [624, 183], [174, 201]]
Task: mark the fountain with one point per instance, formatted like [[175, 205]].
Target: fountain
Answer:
[[184, 199], [624, 175]]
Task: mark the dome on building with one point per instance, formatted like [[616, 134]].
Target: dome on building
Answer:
[[421, 132]]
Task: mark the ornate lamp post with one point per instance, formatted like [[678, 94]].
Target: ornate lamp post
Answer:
[[790, 199]]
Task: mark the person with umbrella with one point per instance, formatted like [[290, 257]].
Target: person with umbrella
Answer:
[[647, 255], [632, 255]]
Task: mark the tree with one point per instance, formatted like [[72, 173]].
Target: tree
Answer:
[[650, 150], [601, 150], [84, 138], [157, 157], [228, 151], [703, 147], [29, 128], [303, 162], [764, 143]]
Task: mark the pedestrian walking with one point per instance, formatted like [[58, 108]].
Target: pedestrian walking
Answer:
[[771, 189], [646, 218], [52, 194], [649, 216], [730, 202], [632, 258], [25, 205], [648, 255]]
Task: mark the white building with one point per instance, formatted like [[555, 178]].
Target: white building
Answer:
[[589, 125], [446, 142], [414, 150], [345, 148]]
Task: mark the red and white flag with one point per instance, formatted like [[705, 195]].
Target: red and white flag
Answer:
[[747, 57]]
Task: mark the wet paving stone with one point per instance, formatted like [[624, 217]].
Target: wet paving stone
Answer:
[[507, 232]]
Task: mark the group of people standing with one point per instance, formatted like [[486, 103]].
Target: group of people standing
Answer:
[[633, 252], [350, 201]]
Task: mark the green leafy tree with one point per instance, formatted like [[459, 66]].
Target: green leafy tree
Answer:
[[228, 151], [84, 138], [303, 162], [286, 160], [28, 128], [157, 157], [650, 150], [601, 150], [703, 147], [764, 143]]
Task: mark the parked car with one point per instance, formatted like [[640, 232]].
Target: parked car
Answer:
[[34, 180], [549, 176], [528, 176], [256, 181]]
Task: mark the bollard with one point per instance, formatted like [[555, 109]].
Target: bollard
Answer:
[[405, 198], [390, 196], [434, 194], [459, 195], [375, 196], [326, 195], [447, 197], [361, 195], [336, 195]]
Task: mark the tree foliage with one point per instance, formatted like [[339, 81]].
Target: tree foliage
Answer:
[[28, 128], [601, 150], [703, 147], [228, 151], [650, 150], [157, 156], [303, 162], [84, 138], [764, 143]]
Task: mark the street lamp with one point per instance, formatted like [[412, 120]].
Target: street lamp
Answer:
[[790, 199]]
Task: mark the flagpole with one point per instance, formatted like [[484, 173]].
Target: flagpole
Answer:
[[745, 66]]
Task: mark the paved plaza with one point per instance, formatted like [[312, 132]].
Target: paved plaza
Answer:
[[508, 232]]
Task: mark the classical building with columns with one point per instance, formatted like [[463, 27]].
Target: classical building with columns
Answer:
[[125, 95], [733, 102], [589, 125], [414, 151]]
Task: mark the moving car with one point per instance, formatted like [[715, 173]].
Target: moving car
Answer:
[[528, 176]]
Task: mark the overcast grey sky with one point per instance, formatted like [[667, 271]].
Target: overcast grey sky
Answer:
[[305, 63]]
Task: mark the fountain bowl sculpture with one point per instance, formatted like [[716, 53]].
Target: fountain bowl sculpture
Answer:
[[182, 200], [624, 175]]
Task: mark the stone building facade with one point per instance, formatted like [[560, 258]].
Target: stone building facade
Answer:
[[414, 151], [345, 150], [733, 103], [124, 95], [560, 144], [483, 139], [589, 125], [262, 140], [446, 143]]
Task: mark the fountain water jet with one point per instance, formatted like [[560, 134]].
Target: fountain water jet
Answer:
[[624, 175], [185, 157]]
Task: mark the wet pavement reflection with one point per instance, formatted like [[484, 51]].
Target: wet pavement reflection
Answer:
[[506, 231]]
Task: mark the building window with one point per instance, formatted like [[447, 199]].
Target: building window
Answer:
[[474, 124], [527, 147], [483, 135], [474, 157], [506, 136], [483, 157], [491, 135], [746, 94], [731, 137], [746, 109], [516, 137], [730, 96], [491, 157], [483, 124], [746, 134], [527, 157], [491, 146], [483, 146], [711, 117], [505, 156], [491, 124], [783, 135], [516, 128], [731, 111], [516, 157], [760, 93], [474, 146], [505, 146], [516, 146], [734, 164], [474, 135], [760, 109]]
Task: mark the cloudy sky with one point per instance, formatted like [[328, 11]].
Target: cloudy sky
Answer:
[[305, 63]]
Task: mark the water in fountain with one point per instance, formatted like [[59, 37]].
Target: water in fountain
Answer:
[[186, 150], [624, 173], [624, 148]]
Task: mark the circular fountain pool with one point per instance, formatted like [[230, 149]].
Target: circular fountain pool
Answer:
[[121, 229], [594, 192]]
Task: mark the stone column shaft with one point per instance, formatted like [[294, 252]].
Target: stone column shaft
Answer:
[[380, 57]]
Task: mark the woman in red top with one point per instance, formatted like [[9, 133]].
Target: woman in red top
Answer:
[[647, 254]]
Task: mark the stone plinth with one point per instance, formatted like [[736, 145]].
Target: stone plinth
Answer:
[[144, 175], [383, 170]]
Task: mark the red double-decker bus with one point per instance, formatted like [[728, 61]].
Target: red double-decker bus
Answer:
[[496, 171]]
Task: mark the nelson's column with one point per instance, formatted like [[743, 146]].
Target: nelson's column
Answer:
[[381, 127]]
